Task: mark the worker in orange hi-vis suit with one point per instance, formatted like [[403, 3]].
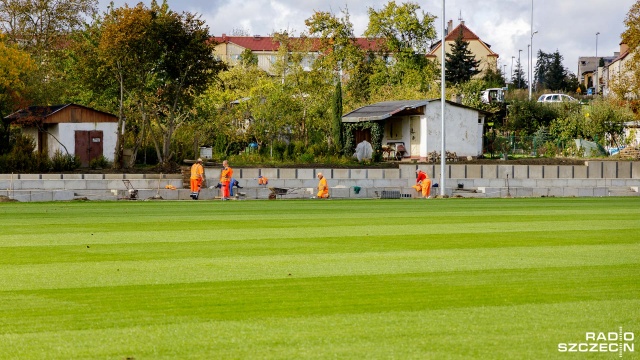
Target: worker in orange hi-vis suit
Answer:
[[323, 189], [197, 179], [423, 183], [225, 179]]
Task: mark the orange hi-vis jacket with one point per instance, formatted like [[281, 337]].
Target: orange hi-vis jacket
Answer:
[[323, 189], [225, 175], [197, 171]]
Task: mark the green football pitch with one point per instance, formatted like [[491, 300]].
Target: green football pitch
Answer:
[[314, 279]]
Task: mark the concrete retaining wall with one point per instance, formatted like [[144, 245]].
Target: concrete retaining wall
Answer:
[[594, 178]]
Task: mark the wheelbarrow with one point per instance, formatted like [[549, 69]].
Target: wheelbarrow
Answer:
[[131, 191], [275, 192]]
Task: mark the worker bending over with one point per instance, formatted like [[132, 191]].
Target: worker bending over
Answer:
[[423, 184]]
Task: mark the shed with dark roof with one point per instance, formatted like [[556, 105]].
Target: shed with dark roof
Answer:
[[70, 128], [416, 125]]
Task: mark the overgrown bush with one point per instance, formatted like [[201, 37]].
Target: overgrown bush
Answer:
[[307, 158], [64, 162], [100, 162]]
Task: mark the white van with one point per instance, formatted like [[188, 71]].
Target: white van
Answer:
[[555, 98]]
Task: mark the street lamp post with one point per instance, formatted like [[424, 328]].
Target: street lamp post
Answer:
[[513, 57], [529, 69], [442, 102], [519, 69], [531, 60], [596, 82], [530, 54]]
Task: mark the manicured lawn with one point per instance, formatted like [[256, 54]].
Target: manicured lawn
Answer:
[[403, 279]]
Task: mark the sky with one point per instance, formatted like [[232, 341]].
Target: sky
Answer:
[[569, 26]]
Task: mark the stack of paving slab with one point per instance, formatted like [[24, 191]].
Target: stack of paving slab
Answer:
[[60, 187], [593, 179]]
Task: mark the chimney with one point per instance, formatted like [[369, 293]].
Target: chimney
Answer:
[[449, 27], [224, 36], [461, 22], [623, 48]]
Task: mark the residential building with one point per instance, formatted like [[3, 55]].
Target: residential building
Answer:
[[587, 66], [480, 49], [616, 75], [230, 48]]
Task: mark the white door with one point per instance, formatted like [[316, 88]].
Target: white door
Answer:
[[415, 136]]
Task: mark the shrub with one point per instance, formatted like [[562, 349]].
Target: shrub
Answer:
[[307, 158], [64, 162], [100, 162]]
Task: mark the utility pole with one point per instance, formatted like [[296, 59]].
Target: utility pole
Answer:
[[443, 155], [511, 78], [596, 82], [531, 62], [530, 54], [519, 70]]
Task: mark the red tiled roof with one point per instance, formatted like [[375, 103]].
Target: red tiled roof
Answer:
[[466, 34], [266, 43]]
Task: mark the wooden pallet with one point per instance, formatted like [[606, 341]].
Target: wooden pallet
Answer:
[[630, 153]]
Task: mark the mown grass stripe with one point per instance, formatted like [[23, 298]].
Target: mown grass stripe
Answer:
[[405, 279]]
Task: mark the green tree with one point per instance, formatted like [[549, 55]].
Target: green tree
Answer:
[[518, 80], [460, 64], [15, 65], [248, 58], [627, 83], [224, 113], [336, 110], [542, 67], [493, 78], [556, 75], [338, 49], [126, 50], [42, 28], [162, 60], [401, 64]]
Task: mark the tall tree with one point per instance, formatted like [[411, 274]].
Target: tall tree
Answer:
[[493, 78], [627, 83], [542, 67], [162, 61], [127, 50], [336, 110], [42, 28], [461, 64], [337, 44], [518, 79], [407, 33], [15, 64], [556, 73]]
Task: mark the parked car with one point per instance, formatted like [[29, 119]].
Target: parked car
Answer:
[[554, 98], [493, 95]]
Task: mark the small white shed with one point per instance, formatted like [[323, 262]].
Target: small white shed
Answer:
[[417, 126], [76, 129]]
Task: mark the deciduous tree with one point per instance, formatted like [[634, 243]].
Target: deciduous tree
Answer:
[[627, 84], [162, 61], [407, 33]]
